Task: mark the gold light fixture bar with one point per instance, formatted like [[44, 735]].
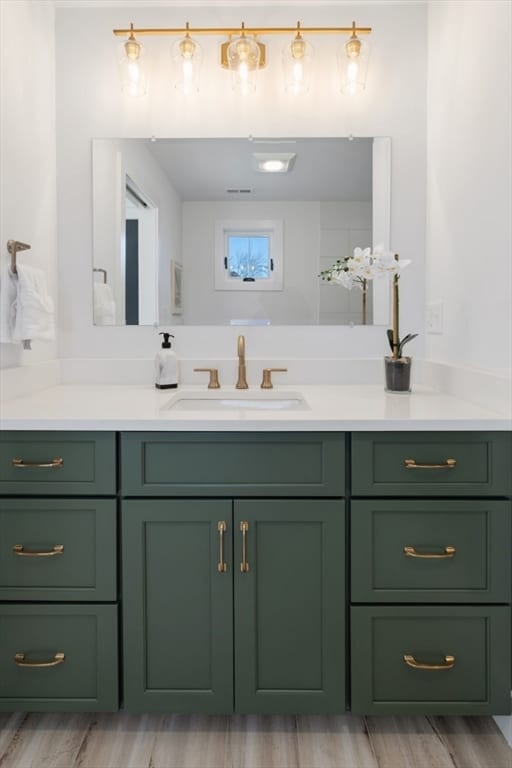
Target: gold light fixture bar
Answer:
[[237, 30]]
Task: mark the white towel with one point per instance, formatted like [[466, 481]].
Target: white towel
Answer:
[[34, 307], [8, 292], [104, 305]]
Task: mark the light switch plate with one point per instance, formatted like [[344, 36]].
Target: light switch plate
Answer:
[[434, 317]]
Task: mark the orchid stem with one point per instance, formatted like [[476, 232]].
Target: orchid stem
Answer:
[[396, 309]]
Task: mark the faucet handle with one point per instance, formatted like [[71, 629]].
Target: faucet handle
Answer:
[[214, 377], [267, 376]]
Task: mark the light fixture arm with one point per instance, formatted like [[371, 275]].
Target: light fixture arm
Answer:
[[237, 30]]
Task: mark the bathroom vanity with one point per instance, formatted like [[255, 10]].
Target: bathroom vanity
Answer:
[[257, 564]]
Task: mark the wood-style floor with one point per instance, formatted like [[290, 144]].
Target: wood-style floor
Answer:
[[249, 741]]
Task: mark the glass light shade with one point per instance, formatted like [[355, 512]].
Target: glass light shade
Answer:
[[132, 68], [187, 57], [353, 64], [297, 65], [243, 56]]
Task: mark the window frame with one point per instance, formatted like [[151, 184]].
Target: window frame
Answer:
[[271, 228]]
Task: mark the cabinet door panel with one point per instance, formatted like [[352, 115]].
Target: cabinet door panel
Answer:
[[233, 464], [84, 569], [31, 676], [419, 464], [400, 551], [58, 463], [290, 607], [474, 681], [178, 626]]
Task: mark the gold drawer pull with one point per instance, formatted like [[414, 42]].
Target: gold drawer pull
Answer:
[[447, 552], [244, 565], [19, 550], [59, 658], [222, 566], [448, 464], [54, 463], [449, 662]]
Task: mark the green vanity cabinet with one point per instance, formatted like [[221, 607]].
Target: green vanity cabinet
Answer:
[[177, 605], [260, 572], [234, 605], [233, 464], [290, 606], [430, 590], [58, 572]]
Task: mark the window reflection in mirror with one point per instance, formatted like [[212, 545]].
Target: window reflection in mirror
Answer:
[[160, 203]]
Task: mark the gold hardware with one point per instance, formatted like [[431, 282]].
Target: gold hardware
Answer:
[[221, 565], [242, 381], [19, 660], [244, 565], [224, 53], [19, 550], [54, 463], [449, 663], [13, 247], [237, 30], [214, 377], [267, 376], [411, 464], [447, 552]]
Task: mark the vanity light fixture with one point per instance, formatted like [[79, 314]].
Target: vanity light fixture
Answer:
[[243, 57], [187, 55], [244, 54], [353, 61], [131, 64], [297, 64]]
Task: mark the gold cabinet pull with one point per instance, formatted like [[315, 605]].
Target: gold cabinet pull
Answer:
[[222, 566], [19, 660], [448, 464], [447, 552], [53, 464], [19, 550], [244, 565], [449, 662]]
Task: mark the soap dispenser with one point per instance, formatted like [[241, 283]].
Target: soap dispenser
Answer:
[[166, 365]]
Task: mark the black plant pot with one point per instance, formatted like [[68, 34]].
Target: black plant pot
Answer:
[[398, 374]]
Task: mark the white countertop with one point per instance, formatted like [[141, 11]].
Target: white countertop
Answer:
[[330, 408]]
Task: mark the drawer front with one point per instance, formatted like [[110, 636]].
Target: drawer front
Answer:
[[58, 463], [56, 549], [431, 551], [432, 464], [195, 464], [475, 681], [85, 679]]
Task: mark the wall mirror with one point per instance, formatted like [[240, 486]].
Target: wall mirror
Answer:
[[236, 230]]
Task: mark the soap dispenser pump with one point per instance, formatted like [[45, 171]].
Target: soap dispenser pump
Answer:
[[166, 365]]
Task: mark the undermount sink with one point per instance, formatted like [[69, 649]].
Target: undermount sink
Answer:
[[237, 401]]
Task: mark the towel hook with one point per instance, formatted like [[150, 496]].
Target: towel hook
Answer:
[[13, 246]]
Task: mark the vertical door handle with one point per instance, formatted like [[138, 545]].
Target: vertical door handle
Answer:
[[222, 566], [244, 565]]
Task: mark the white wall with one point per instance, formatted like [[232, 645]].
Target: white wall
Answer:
[[296, 303], [469, 202], [90, 104], [28, 208]]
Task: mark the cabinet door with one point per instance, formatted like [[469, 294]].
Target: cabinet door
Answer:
[[289, 606], [178, 625]]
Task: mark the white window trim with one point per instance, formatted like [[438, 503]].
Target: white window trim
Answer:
[[272, 228]]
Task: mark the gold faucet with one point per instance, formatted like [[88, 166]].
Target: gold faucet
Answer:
[[242, 381]]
